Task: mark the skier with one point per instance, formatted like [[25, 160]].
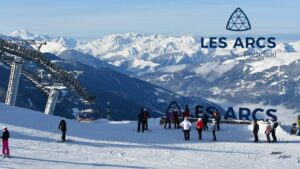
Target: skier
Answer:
[[294, 128], [274, 125], [141, 121], [205, 120], [186, 112], [168, 120], [217, 117], [268, 130], [146, 117], [199, 127], [214, 128], [186, 126], [176, 120], [5, 147], [255, 130], [63, 128]]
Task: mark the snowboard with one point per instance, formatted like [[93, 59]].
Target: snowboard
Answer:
[[66, 141]]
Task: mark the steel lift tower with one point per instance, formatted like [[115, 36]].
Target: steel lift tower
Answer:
[[51, 102], [13, 83]]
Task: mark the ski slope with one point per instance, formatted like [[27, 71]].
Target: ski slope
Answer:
[[105, 144]]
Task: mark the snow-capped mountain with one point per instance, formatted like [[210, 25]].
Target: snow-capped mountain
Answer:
[[181, 65]]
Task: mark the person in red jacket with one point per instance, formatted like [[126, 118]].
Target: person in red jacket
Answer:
[[199, 127]]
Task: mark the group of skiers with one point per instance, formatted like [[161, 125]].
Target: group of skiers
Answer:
[[186, 127], [269, 130], [143, 117], [186, 124], [216, 117]]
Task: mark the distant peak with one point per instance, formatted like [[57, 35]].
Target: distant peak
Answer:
[[21, 32], [24, 34]]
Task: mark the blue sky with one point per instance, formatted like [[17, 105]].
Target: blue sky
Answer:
[[95, 18]]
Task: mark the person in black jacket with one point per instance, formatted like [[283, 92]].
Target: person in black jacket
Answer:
[[176, 120], [146, 117], [274, 125], [205, 120], [141, 121], [5, 147], [255, 130], [63, 128]]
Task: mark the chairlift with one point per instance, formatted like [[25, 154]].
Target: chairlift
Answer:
[[87, 115]]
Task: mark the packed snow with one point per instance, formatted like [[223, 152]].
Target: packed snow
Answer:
[[112, 144]]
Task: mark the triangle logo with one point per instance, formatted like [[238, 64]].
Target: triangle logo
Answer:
[[238, 21]]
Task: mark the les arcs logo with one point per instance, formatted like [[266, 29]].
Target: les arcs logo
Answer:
[[238, 21]]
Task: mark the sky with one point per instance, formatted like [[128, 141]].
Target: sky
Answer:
[[96, 18]]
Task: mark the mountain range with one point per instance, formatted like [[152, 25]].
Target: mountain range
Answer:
[[180, 64], [105, 81]]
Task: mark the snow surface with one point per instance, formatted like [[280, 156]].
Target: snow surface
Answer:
[[107, 144], [281, 59]]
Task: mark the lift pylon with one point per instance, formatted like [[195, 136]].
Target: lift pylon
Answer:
[[13, 83], [51, 102]]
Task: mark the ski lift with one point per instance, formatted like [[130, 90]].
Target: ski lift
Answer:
[[87, 115]]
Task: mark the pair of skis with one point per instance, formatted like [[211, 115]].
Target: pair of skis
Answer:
[[3, 157]]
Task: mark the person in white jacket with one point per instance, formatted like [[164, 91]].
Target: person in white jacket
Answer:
[[186, 126], [268, 130], [214, 128]]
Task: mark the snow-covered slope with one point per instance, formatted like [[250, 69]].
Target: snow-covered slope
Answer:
[[108, 144]]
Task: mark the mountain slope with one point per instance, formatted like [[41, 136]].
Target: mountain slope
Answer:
[[126, 94]]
